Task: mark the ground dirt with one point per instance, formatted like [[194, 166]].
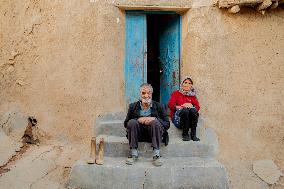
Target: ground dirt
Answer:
[[41, 166]]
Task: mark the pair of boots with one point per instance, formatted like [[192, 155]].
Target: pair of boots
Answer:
[[186, 137]]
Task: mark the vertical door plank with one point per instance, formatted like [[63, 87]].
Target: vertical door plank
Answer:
[[135, 55], [169, 57]]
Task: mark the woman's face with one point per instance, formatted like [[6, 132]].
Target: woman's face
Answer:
[[186, 85]]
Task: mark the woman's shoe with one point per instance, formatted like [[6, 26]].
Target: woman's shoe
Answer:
[[193, 134], [194, 138], [185, 137]]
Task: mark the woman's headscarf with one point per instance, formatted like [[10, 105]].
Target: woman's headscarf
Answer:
[[191, 92]]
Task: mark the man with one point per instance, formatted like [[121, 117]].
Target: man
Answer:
[[146, 121]]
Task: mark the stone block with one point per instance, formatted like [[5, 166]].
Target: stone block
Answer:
[[14, 124], [174, 173], [267, 171]]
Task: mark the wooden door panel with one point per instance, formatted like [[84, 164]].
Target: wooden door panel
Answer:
[[169, 56], [135, 55]]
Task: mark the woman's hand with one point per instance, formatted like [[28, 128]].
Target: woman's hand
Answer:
[[179, 107], [187, 105]]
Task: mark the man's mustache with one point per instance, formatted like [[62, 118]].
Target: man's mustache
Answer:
[[146, 100]]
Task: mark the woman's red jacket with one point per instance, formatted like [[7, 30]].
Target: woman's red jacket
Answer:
[[178, 99]]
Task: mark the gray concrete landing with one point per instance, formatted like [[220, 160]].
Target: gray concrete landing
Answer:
[[175, 173]]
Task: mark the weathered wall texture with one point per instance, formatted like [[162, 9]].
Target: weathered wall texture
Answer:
[[237, 62], [62, 61]]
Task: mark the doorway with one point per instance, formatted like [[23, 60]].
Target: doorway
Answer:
[[152, 53]]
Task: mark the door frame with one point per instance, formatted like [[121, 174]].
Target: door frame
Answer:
[[145, 12]]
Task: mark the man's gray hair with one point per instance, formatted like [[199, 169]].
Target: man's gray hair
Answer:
[[146, 85]]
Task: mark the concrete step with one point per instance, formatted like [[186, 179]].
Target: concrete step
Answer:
[[115, 127], [207, 147], [175, 173], [110, 127]]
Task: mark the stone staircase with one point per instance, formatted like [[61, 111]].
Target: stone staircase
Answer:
[[185, 164]]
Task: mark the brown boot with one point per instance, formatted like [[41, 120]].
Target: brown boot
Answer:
[[92, 158], [100, 159]]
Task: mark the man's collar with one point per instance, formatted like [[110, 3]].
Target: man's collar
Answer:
[[140, 102]]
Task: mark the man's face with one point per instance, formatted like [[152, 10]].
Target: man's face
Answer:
[[146, 95]]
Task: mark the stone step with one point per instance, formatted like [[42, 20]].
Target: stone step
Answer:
[[115, 127], [110, 127], [207, 147], [173, 174]]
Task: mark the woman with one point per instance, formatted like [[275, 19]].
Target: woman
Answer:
[[184, 108]]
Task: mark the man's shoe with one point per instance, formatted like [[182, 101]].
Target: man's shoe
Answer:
[[131, 160], [185, 138], [194, 138], [157, 161]]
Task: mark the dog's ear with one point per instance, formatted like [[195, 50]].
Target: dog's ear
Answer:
[[32, 120]]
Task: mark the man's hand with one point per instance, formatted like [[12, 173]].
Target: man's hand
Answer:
[[187, 105], [141, 120], [149, 120], [146, 120]]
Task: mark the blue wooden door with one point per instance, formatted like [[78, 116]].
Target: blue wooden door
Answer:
[[135, 55], [169, 44]]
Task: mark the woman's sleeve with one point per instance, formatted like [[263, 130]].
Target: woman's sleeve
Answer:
[[196, 104], [172, 101]]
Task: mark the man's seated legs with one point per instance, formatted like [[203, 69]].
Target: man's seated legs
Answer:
[[151, 133], [132, 134], [156, 133]]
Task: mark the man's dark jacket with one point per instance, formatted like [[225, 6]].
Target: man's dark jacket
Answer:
[[157, 110]]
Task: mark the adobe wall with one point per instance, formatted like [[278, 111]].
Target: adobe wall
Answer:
[[237, 63], [62, 61]]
